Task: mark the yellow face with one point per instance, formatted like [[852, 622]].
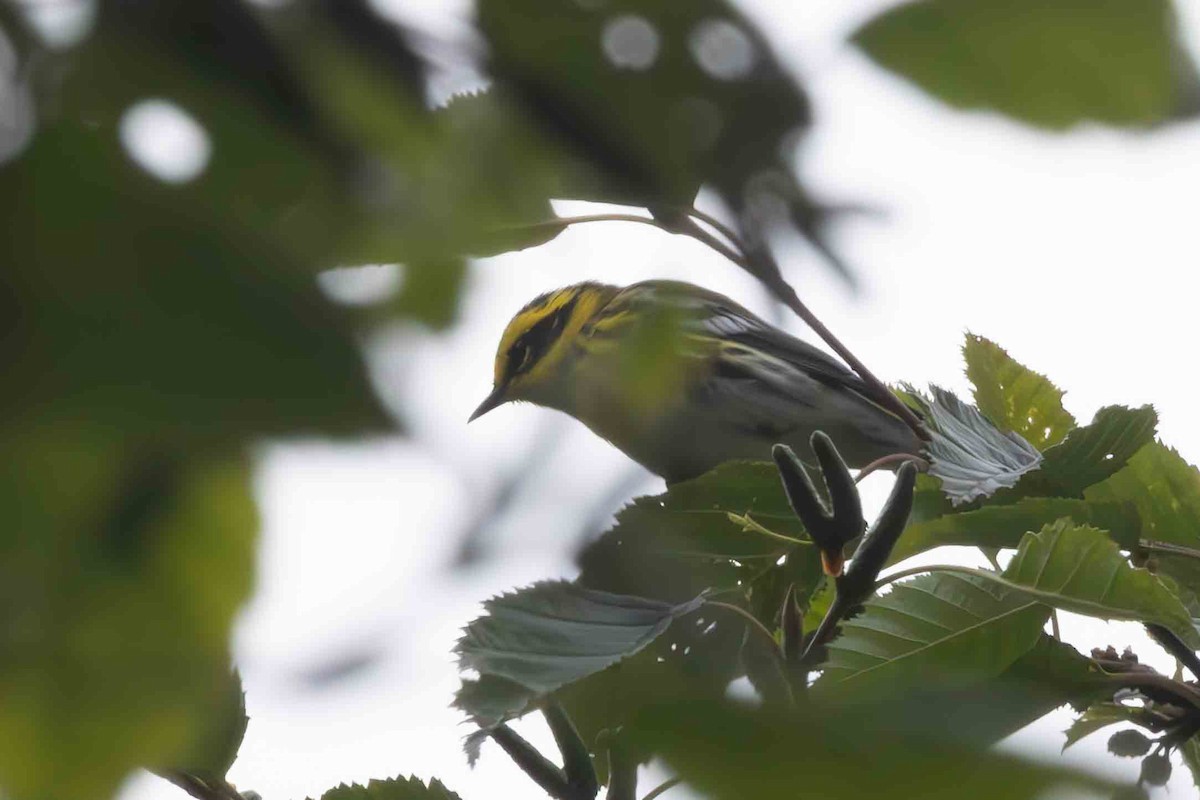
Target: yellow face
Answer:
[[538, 337]]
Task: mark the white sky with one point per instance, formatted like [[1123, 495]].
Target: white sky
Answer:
[[1077, 253]]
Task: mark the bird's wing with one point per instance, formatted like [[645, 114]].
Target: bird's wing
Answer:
[[712, 315]]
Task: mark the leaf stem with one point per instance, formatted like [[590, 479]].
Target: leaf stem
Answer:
[[540, 769], [750, 618], [887, 461], [749, 524], [657, 791]]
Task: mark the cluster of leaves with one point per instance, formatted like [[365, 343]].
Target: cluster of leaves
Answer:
[[1101, 523], [153, 328]]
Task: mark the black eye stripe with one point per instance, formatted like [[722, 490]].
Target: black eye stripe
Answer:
[[531, 345]]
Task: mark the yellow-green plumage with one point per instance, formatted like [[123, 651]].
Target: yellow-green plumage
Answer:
[[682, 379]]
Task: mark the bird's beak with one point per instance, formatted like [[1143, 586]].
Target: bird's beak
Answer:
[[491, 401]]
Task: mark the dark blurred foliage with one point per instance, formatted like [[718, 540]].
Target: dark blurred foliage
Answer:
[[155, 324]]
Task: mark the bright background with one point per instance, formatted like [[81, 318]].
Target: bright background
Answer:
[[1075, 252]]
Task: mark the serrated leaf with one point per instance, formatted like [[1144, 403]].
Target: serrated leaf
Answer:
[[959, 628], [554, 633], [1053, 65], [411, 788], [1004, 526], [970, 455], [1098, 717], [675, 545], [1015, 397], [1081, 569], [1165, 490], [1090, 454]]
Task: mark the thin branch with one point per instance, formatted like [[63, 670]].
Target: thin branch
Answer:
[[887, 461], [750, 618], [202, 789], [1169, 549], [540, 769], [1151, 680], [577, 761], [687, 226], [720, 227], [1054, 630], [657, 791]]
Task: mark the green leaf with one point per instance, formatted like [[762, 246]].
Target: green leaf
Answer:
[[661, 99], [726, 751], [970, 455], [1014, 397], [118, 596], [958, 628], [673, 546], [1004, 526], [1165, 490], [1189, 751], [1090, 454], [1080, 569], [410, 788], [554, 633], [1097, 717], [1052, 65], [217, 743]]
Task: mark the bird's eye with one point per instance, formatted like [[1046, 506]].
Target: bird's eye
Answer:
[[526, 358]]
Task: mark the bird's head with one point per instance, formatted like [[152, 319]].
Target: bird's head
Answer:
[[537, 340]]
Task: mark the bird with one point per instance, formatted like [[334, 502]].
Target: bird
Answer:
[[682, 379]]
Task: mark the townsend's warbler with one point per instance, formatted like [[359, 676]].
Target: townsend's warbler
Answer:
[[682, 379]]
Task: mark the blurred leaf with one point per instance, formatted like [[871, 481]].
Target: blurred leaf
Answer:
[[116, 596], [731, 752], [1129, 743], [1080, 569], [1014, 397], [1005, 525], [1097, 717], [1053, 65], [1090, 454], [1165, 490], [660, 100], [178, 325], [970, 456], [410, 788], [1189, 751], [554, 633], [216, 747], [960, 629]]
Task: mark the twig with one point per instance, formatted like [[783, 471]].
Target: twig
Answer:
[[201, 788], [1169, 549], [1054, 631], [540, 769], [657, 791], [887, 461], [1175, 646], [577, 761], [1149, 679], [720, 227]]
